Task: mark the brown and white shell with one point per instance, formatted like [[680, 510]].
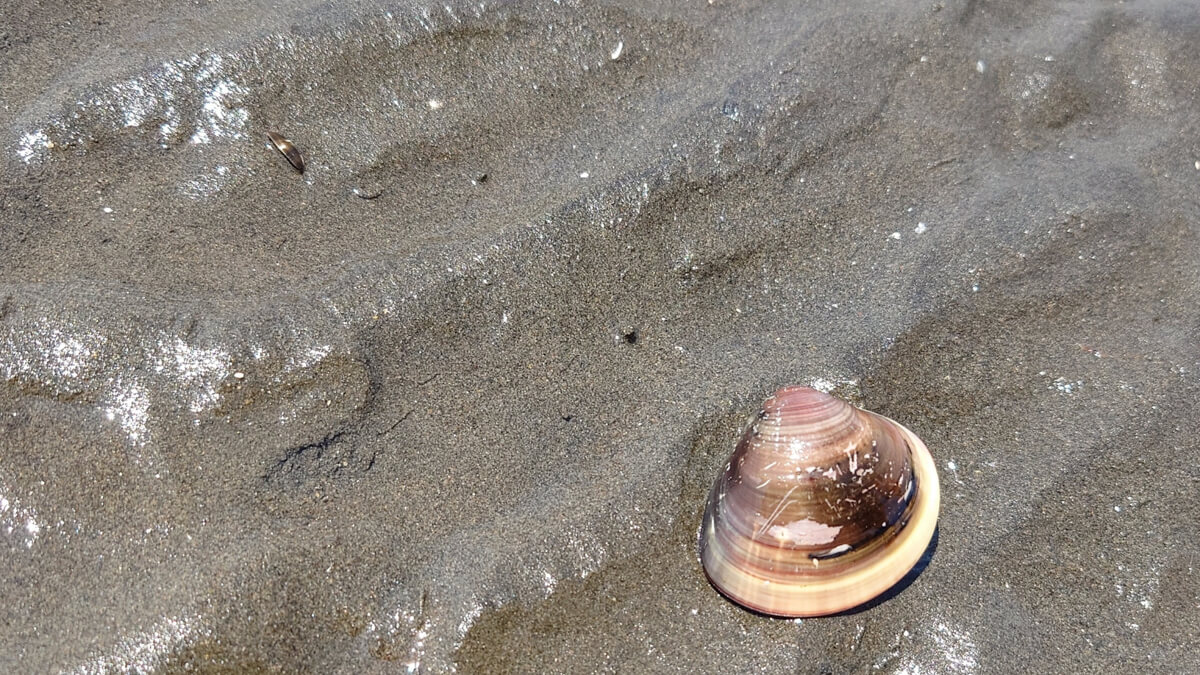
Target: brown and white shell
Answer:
[[821, 508], [287, 149]]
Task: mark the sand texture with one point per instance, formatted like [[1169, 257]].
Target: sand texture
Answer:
[[452, 399]]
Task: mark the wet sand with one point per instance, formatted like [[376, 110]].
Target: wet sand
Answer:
[[452, 398]]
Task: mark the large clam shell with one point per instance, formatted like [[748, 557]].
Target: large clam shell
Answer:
[[821, 507]]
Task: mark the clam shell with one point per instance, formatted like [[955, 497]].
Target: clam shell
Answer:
[[821, 507], [287, 149]]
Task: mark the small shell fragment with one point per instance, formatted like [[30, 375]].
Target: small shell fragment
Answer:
[[288, 150]]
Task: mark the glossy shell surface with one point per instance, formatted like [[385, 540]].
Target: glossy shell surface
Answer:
[[821, 507], [287, 149]]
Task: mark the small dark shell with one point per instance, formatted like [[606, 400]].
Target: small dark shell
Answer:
[[821, 507], [288, 150]]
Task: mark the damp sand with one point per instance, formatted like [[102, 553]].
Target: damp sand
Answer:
[[452, 398]]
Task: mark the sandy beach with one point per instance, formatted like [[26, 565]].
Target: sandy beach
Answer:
[[451, 399]]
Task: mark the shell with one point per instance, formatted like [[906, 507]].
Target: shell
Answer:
[[288, 149], [821, 507]]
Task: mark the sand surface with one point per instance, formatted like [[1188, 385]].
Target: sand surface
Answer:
[[452, 399]]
